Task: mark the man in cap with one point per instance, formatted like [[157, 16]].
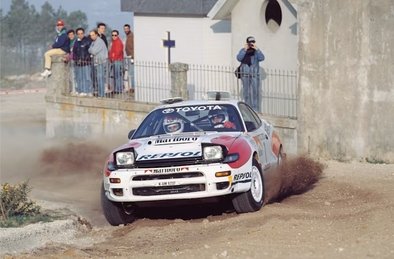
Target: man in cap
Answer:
[[61, 46], [250, 56]]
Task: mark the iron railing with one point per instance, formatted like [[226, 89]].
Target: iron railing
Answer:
[[278, 88], [150, 82]]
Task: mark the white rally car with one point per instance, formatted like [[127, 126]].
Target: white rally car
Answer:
[[186, 150]]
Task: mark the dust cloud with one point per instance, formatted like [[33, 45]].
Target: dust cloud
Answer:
[[294, 176], [73, 157]]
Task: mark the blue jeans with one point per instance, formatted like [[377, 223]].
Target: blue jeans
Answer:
[[118, 76], [130, 71], [100, 78], [83, 79], [250, 77], [251, 93]]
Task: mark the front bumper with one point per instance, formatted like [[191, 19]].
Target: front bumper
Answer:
[[172, 183]]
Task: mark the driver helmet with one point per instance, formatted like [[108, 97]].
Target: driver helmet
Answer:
[[173, 124], [218, 118]]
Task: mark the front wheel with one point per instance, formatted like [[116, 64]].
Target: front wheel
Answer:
[[116, 213], [253, 199]]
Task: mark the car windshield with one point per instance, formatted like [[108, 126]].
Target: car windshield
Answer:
[[174, 120]]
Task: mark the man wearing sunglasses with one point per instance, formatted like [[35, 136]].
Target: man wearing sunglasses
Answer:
[[116, 59]]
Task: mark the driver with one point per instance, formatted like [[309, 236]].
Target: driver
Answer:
[[219, 119], [172, 124]]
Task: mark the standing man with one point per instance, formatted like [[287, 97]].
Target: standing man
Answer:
[[61, 46], [100, 53], [101, 30], [129, 48], [82, 64], [72, 39], [69, 59], [250, 56], [116, 58]]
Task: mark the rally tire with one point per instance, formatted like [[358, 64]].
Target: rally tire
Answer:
[[253, 199], [114, 212]]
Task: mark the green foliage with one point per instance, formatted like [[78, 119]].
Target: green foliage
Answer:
[[373, 160], [14, 201], [17, 210], [18, 221], [27, 33], [78, 19]]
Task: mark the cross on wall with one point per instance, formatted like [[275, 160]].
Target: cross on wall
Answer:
[[168, 43]]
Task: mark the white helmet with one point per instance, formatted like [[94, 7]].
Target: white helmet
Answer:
[[173, 124], [218, 118]]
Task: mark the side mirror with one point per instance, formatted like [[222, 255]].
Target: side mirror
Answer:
[[131, 133]]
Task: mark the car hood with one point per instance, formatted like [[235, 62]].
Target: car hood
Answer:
[[177, 146]]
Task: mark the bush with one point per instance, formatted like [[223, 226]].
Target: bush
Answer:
[[15, 207]]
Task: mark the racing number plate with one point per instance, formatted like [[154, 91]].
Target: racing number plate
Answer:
[[167, 183]]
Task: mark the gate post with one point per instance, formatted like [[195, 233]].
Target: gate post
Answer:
[[179, 80], [58, 82]]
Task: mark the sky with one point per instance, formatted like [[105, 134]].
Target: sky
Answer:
[[107, 11]]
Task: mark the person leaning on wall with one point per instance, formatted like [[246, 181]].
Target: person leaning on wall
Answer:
[[99, 52]]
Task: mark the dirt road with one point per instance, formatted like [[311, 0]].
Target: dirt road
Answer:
[[347, 214]]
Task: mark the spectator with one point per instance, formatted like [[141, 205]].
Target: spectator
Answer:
[[72, 39], [250, 56], [69, 57], [101, 31], [100, 53], [129, 49], [116, 59], [61, 46], [82, 64]]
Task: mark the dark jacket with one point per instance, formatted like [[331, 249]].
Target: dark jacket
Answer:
[[62, 41], [81, 54], [102, 36]]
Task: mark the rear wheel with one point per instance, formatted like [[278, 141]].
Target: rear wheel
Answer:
[[116, 213], [253, 199]]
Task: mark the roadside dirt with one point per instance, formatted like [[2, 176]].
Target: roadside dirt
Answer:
[[320, 209]]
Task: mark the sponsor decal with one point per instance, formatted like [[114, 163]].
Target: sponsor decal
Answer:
[[192, 108], [169, 155], [242, 176], [167, 170], [176, 140]]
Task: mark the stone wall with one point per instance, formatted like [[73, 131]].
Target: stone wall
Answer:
[[346, 83]]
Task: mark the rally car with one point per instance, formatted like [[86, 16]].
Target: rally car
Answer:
[[188, 150]]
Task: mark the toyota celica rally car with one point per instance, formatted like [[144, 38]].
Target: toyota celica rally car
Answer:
[[187, 150]]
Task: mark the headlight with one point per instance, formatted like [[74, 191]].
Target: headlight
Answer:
[[213, 153], [125, 158]]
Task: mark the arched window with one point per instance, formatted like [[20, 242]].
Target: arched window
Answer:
[[273, 15]]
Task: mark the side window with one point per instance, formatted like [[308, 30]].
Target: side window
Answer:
[[251, 119]]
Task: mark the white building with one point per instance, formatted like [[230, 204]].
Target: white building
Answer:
[[198, 39], [272, 22], [212, 32]]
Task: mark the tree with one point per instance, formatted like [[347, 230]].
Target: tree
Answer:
[[46, 23], [77, 19], [25, 34]]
